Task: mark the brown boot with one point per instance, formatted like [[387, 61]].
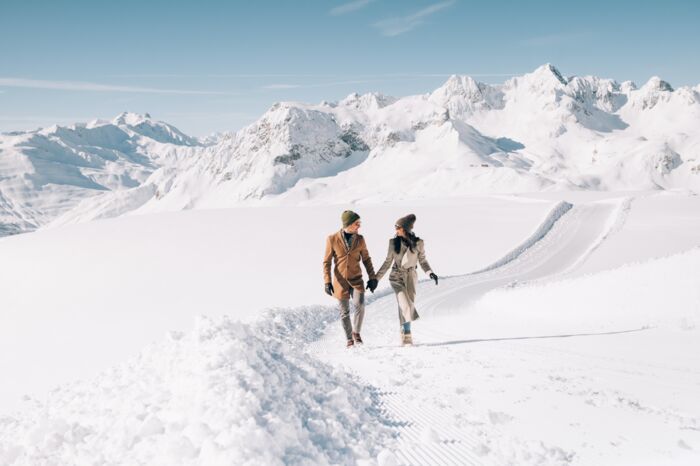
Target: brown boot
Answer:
[[406, 339], [350, 344], [357, 338]]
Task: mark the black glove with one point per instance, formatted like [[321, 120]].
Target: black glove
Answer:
[[372, 284], [434, 277], [329, 289]]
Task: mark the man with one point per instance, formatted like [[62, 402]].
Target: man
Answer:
[[347, 248]]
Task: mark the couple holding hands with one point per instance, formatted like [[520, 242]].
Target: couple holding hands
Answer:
[[345, 250]]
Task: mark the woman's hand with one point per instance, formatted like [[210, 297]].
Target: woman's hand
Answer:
[[434, 277], [372, 284]]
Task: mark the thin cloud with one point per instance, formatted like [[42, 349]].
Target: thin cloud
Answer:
[[342, 83], [554, 39], [312, 76], [395, 26], [208, 116], [43, 118], [281, 86], [94, 87], [382, 78], [444, 75], [349, 7], [311, 86], [225, 76]]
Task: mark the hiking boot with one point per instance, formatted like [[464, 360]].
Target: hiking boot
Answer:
[[406, 339], [350, 344], [357, 338]]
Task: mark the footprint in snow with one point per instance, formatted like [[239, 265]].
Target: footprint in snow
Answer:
[[429, 435], [683, 445], [497, 417]]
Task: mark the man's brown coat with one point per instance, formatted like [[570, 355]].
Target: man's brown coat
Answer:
[[346, 272]]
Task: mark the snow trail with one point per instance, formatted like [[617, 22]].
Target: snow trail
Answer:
[[473, 391], [615, 222], [566, 240], [545, 227], [421, 387]]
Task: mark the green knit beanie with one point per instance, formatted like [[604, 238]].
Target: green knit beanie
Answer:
[[349, 217]]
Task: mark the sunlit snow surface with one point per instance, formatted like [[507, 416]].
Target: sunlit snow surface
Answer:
[[580, 348]]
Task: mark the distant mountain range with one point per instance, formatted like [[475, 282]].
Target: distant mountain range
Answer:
[[539, 131]]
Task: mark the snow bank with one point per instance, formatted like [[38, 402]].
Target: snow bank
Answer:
[[221, 394], [662, 292], [555, 214], [648, 225]]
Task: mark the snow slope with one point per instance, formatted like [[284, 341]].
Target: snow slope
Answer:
[[513, 365], [540, 131], [46, 172], [673, 230], [596, 370], [115, 285]]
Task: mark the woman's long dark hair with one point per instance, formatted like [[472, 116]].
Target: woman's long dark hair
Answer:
[[410, 241]]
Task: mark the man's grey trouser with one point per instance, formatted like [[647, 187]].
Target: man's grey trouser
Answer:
[[358, 299]]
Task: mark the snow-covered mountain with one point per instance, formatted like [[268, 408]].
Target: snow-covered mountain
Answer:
[[47, 172], [538, 131]]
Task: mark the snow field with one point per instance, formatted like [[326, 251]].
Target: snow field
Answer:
[[224, 393], [662, 293], [514, 365], [116, 285], [549, 358]]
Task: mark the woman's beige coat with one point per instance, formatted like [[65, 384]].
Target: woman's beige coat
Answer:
[[403, 276]]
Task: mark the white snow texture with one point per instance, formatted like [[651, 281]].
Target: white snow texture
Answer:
[[225, 393]]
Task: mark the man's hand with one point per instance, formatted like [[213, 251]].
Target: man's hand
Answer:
[[434, 277], [372, 284], [329, 289]]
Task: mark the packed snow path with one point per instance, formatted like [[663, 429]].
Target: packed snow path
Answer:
[[455, 394]]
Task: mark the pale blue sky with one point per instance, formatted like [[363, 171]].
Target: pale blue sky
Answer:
[[213, 65]]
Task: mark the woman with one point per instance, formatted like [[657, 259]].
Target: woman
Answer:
[[406, 250]]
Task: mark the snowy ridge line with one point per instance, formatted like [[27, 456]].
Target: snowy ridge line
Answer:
[[218, 394], [544, 135], [553, 216], [615, 223]]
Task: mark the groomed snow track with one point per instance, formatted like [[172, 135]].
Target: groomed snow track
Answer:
[[430, 434]]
